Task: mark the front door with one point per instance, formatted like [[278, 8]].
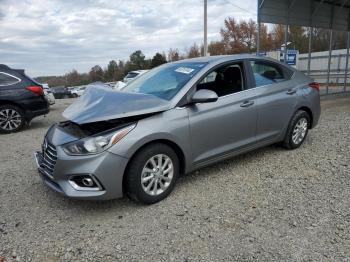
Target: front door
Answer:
[[228, 124]]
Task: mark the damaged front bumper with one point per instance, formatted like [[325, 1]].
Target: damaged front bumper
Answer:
[[64, 174]]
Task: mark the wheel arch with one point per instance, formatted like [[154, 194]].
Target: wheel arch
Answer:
[[177, 149], [9, 102], [307, 110]]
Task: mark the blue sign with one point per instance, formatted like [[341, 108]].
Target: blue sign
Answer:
[[291, 57]]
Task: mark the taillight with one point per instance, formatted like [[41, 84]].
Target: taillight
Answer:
[[315, 85], [35, 89]]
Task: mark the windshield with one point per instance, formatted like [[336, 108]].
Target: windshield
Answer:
[[166, 80], [131, 75]]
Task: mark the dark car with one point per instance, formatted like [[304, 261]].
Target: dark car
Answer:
[[61, 92], [21, 99]]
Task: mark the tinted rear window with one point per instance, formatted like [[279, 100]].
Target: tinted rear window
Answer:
[[266, 73], [131, 75], [33, 80], [6, 79]]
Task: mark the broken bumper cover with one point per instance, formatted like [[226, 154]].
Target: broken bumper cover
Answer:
[[105, 169]]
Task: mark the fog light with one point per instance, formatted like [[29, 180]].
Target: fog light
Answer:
[[85, 183]]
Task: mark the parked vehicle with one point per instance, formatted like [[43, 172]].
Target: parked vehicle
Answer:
[[179, 117], [133, 74], [119, 85], [21, 99], [61, 92], [48, 94], [78, 91]]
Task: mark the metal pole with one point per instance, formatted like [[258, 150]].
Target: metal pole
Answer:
[[205, 29], [258, 32], [309, 54], [285, 42], [338, 68], [329, 58], [347, 61]]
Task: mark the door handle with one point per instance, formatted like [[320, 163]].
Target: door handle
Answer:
[[247, 103], [291, 91]]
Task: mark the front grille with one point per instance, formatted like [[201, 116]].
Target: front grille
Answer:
[[49, 157]]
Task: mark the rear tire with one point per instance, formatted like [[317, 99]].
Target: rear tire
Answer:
[[11, 119], [152, 173], [297, 130]]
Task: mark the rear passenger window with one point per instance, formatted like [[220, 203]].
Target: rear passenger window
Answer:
[[266, 73], [6, 79]]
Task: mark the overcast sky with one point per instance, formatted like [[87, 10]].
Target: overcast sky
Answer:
[[53, 37]]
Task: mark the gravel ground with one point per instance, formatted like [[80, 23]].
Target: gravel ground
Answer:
[[268, 205]]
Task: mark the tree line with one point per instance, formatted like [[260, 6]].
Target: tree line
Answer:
[[236, 37]]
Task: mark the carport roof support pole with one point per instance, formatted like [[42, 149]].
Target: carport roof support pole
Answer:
[[309, 54], [205, 51], [329, 58], [330, 48], [258, 29], [285, 42], [347, 61], [289, 5]]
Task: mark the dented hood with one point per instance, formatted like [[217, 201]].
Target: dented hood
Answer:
[[99, 103]]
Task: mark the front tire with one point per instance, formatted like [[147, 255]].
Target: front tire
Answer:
[[11, 119], [297, 130], [152, 173]]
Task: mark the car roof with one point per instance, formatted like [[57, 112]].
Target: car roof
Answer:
[[215, 58], [138, 71], [3, 67], [226, 58]]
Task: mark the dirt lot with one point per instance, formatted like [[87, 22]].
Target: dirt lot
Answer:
[[270, 204]]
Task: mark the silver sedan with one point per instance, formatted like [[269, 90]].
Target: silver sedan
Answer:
[[172, 120]]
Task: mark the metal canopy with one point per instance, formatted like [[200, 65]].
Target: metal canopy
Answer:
[[328, 14]]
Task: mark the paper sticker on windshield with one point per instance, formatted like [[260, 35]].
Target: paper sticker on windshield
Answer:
[[184, 70]]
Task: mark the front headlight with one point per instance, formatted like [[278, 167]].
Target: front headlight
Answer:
[[96, 144]]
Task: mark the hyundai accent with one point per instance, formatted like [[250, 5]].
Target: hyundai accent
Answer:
[[174, 119]]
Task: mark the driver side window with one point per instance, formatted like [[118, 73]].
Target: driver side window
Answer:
[[224, 80]]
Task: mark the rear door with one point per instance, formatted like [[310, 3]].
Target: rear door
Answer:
[[277, 98]]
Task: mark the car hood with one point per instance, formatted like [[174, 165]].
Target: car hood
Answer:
[[99, 103]]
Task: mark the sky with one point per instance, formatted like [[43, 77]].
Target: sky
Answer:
[[53, 37]]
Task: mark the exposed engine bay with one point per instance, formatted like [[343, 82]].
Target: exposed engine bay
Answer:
[[89, 129]]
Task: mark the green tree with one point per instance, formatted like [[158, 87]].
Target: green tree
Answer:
[[137, 61], [158, 59], [96, 73], [111, 71]]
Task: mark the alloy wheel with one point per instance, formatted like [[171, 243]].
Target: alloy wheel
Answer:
[[299, 131], [157, 174], [10, 119]]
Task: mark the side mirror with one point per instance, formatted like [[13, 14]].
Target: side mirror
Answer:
[[204, 96]]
